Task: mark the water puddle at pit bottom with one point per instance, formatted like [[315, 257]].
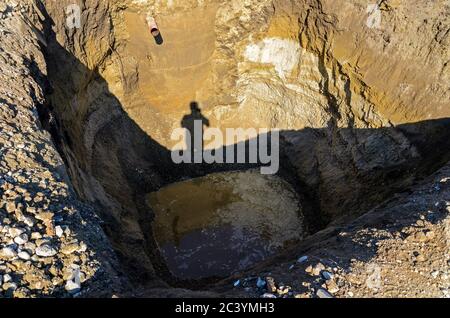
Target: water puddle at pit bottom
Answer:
[[224, 222]]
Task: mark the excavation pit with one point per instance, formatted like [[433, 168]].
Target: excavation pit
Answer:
[[345, 147], [224, 223]]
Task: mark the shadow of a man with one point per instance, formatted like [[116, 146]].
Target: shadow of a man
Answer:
[[194, 123]]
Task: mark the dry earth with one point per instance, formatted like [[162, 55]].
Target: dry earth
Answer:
[[86, 115]]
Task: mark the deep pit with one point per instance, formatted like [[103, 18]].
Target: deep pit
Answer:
[[224, 222], [348, 142]]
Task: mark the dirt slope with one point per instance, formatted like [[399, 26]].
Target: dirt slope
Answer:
[[50, 242], [399, 249]]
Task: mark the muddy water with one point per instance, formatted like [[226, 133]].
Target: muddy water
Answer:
[[225, 222]]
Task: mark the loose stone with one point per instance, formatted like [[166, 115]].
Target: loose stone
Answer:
[[327, 275], [21, 239], [59, 231], [69, 249], [268, 295], [322, 293], [260, 283], [302, 259], [271, 284], [24, 256], [46, 251], [7, 253]]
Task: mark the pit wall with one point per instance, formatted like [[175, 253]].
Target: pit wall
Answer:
[[48, 238], [359, 108]]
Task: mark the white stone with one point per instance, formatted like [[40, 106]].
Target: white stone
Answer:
[[21, 239], [59, 231], [283, 54], [73, 285], [83, 247], [45, 251], [24, 256], [322, 293], [7, 278], [268, 295]]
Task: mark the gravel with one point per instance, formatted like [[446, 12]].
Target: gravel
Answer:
[[39, 213]]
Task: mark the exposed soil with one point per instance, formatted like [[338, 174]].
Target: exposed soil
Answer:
[[363, 114]]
